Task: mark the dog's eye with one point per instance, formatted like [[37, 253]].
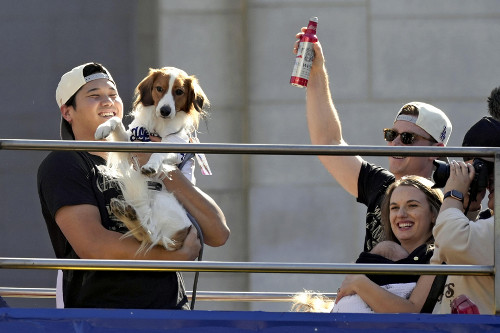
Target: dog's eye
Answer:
[[179, 92], [159, 89]]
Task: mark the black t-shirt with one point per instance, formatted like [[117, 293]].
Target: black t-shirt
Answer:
[[420, 256], [69, 178], [372, 184]]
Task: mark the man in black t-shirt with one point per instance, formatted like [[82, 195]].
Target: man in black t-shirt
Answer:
[[75, 197], [416, 124]]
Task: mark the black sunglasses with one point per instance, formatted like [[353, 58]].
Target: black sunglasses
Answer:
[[407, 138]]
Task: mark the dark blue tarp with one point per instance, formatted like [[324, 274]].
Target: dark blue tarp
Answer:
[[128, 321]]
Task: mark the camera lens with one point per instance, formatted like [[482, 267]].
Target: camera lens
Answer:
[[441, 174]]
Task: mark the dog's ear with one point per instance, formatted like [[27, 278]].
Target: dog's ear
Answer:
[[143, 92], [196, 96], [197, 102]]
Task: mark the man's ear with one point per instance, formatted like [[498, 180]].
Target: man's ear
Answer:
[[437, 144], [65, 112]]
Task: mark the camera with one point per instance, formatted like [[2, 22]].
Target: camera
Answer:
[[479, 183]]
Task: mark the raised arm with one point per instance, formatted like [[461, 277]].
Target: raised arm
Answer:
[[324, 124]]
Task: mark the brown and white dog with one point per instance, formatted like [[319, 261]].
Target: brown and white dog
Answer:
[[168, 103]]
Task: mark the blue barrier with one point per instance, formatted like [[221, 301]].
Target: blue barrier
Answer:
[[129, 321]]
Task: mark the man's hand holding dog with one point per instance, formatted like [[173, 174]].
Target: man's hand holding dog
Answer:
[[143, 158], [191, 247]]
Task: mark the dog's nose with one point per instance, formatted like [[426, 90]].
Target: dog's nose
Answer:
[[165, 111]]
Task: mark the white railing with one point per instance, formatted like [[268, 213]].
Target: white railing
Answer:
[[253, 267]]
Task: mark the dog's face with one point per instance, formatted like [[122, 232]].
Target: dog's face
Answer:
[[171, 90]]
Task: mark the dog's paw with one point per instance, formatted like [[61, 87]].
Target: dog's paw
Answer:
[[123, 210], [105, 129], [149, 169], [128, 215], [154, 165]]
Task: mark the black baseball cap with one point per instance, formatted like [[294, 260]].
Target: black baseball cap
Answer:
[[484, 133]]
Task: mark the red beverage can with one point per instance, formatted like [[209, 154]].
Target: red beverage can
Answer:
[[463, 305], [305, 55]]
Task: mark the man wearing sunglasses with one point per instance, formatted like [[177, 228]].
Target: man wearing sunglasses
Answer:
[[416, 124]]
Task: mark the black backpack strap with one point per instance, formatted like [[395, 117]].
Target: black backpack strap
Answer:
[[200, 257], [200, 235], [186, 158], [436, 291]]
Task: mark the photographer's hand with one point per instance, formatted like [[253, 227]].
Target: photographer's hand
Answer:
[[461, 176]]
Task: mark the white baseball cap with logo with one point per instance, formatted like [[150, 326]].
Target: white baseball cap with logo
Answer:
[[430, 119], [69, 84]]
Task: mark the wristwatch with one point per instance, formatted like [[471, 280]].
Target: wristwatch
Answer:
[[455, 195]]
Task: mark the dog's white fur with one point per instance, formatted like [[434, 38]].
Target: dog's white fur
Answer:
[[315, 302], [309, 301], [153, 217]]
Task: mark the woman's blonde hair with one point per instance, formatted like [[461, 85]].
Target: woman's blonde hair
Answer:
[[434, 198]]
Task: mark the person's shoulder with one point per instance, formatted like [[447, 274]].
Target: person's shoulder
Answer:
[[58, 161], [373, 181], [371, 168], [375, 176], [59, 156]]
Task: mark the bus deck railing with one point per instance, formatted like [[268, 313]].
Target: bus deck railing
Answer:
[[254, 267]]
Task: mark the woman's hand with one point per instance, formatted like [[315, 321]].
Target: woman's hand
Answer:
[[350, 285]]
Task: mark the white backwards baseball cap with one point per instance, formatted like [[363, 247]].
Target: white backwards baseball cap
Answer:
[[430, 119], [70, 83]]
